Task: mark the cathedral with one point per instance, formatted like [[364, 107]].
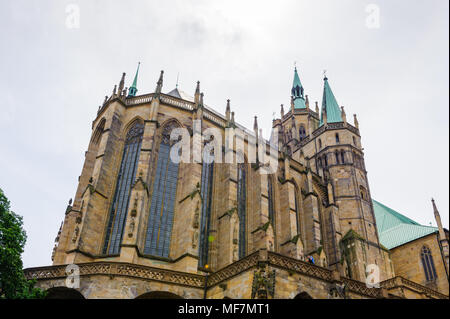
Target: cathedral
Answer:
[[142, 225]]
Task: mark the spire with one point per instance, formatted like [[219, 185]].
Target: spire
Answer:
[[159, 84], [133, 88], [255, 124], [442, 238], [297, 92], [282, 111], [228, 110], [329, 105]]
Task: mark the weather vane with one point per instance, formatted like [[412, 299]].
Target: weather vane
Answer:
[[324, 73]]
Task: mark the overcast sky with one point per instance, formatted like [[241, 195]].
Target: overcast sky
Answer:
[[55, 72]]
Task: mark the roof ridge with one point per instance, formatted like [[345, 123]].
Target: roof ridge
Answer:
[[404, 219]]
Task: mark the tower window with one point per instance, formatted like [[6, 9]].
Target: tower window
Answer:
[[302, 132], [126, 176], [342, 157], [428, 264], [325, 160], [320, 143], [363, 192], [162, 207], [337, 157], [337, 138], [354, 141]]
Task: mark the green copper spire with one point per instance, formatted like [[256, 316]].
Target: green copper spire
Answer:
[[330, 105], [133, 89], [297, 92]]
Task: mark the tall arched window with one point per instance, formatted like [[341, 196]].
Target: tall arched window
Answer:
[[241, 203], [302, 132], [297, 213], [271, 200], [160, 218], [127, 174], [342, 157], [206, 191], [337, 138], [428, 264], [320, 143], [337, 157]]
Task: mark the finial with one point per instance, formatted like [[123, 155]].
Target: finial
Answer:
[[355, 120], [70, 201], [178, 76], [343, 115], [106, 99], [255, 124], [228, 105], [282, 111], [114, 90], [232, 117], [201, 98], [307, 101], [159, 84], [197, 89], [121, 84], [317, 107], [325, 75]]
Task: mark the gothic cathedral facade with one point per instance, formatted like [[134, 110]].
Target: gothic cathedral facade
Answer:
[[141, 225]]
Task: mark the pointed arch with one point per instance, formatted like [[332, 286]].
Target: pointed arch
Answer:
[[428, 264], [162, 207], [125, 178], [98, 132]]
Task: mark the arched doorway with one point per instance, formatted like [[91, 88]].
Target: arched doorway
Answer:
[[303, 295], [63, 293], [159, 295]]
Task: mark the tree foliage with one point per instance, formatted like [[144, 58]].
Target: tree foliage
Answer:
[[13, 283]]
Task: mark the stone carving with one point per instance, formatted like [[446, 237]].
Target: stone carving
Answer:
[[234, 224], [263, 285], [196, 225], [75, 234], [337, 291]]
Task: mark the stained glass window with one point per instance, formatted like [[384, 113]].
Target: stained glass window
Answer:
[[297, 213], [127, 174], [160, 219], [206, 191], [241, 201], [270, 200], [428, 264], [302, 132]]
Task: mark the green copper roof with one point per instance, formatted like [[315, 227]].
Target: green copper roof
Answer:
[[133, 88], [395, 229], [330, 104], [297, 92]]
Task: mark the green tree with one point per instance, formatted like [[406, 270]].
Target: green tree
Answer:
[[13, 283]]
